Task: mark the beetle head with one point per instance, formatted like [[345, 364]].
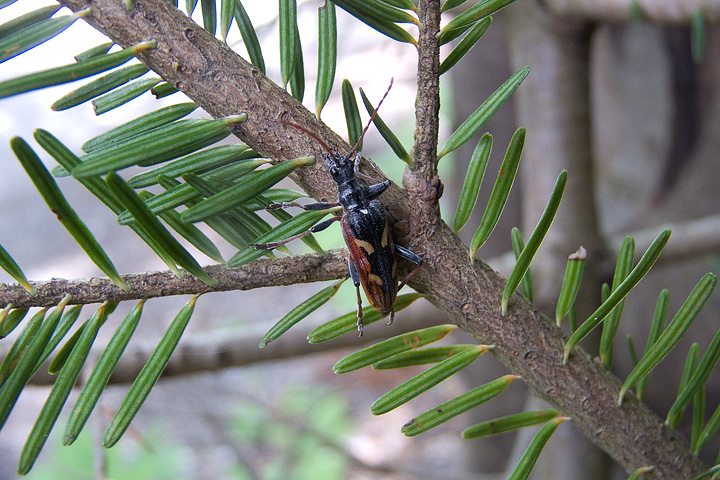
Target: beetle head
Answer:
[[341, 167]]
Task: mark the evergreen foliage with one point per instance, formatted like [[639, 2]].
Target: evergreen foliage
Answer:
[[224, 188]]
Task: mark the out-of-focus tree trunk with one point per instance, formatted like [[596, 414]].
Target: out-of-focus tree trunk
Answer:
[[623, 107], [554, 105]]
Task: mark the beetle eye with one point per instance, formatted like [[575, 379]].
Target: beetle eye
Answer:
[[333, 171]]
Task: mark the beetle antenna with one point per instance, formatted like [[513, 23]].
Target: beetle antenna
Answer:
[[372, 117], [325, 145], [303, 129]]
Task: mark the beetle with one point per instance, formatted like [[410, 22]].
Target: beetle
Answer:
[[372, 253]]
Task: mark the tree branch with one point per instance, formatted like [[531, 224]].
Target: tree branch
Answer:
[[527, 341], [260, 273], [427, 102], [421, 180]]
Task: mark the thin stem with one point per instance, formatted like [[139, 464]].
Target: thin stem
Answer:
[[260, 273], [427, 100]]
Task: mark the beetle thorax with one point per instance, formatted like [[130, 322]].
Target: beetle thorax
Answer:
[[351, 193]]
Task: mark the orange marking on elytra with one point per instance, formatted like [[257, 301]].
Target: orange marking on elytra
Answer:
[[369, 249], [372, 278]]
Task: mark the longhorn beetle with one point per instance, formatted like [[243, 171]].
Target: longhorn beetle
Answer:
[[365, 228]]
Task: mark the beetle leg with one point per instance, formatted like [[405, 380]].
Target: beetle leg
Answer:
[[319, 227], [357, 172], [311, 206], [374, 190], [356, 281], [408, 255]]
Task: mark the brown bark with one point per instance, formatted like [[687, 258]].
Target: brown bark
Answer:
[[261, 273]]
